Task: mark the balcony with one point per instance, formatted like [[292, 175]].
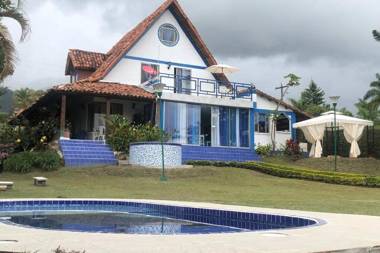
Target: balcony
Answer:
[[206, 87]]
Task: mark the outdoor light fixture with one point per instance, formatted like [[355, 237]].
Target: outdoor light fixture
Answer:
[[158, 89], [334, 101]]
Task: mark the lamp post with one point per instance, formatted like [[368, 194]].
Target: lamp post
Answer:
[[158, 88], [334, 100]]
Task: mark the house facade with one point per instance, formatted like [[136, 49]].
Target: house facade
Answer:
[[213, 117]]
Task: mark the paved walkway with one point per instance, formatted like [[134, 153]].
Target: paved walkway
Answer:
[[341, 231]]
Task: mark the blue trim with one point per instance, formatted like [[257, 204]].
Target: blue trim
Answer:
[[293, 120], [252, 128], [164, 62]]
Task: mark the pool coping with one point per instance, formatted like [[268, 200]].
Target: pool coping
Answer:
[[339, 232]]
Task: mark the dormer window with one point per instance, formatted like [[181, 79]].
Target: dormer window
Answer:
[[168, 35]]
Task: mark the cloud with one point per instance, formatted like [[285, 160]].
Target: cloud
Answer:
[[327, 40]]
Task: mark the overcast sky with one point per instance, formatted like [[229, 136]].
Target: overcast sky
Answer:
[[328, 41]]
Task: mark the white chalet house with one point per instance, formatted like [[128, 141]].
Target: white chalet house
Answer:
[[212, 117]]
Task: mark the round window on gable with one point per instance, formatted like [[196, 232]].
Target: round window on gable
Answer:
[[168, 35]]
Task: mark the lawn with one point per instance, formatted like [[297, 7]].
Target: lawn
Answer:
[[369, 166], [207, 184]]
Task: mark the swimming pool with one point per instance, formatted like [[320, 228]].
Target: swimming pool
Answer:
[[129, 217]]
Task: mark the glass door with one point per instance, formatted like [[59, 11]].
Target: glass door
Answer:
[[182, 81]]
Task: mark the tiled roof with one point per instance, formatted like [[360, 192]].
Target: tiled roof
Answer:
[[84, 60], [126, 42], [105, 88]]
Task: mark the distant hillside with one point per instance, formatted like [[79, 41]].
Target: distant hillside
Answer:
[[6, 101]]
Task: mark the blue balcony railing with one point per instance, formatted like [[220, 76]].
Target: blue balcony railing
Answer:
[[206, 87]]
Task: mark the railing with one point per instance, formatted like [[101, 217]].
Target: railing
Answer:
[[206, 87]]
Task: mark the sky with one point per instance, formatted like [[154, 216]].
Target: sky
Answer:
[[328, 41]]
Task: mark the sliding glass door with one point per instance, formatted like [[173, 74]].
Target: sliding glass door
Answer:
[[206, 125]]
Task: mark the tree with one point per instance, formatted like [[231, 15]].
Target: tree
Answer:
[[292, 80], [376, 35], [312, 100], [373, 95], [24, 97], [7, 47], [367, 111], [346, 112]]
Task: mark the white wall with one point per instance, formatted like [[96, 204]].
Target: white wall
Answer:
[[149, 46], [264, 138], [263, 103]]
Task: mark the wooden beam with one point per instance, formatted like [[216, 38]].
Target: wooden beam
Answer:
[[108, 108], [63, 114]]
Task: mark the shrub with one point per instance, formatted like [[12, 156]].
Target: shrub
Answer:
[[292, 150], [21, 163], [47, 160], [120, 133], [263, 150], [25, 162], [299, 173], [29, 137]]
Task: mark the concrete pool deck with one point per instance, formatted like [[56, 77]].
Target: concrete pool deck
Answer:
[[340, 231]]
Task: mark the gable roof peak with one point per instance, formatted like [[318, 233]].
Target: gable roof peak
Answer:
[[129, 40]]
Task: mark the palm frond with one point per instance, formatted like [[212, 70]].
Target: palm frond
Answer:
[[376, 35], [16, 14], [8, 48], [371, 94]]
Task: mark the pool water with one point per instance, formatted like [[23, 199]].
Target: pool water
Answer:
[[123, 216], [111, 222]]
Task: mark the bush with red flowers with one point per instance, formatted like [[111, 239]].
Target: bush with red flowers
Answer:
[[292, 150]]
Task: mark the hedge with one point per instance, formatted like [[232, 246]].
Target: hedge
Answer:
[[25, 162], [299, 173]]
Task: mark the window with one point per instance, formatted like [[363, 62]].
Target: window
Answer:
[[227, 126], [244, 127], [182, 81], [149, 72], [168, 35], [282, 123], [116, 108], [261, 122], [182, 122]]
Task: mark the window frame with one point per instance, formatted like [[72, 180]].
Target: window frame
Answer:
[[168, 28]]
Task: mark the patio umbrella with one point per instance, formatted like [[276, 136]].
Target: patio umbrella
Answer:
[[222, 69]]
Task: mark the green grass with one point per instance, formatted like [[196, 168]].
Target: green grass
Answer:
[[206, 184], [369, 166]]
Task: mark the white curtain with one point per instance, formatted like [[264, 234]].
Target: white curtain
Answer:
[[352, 133], [314, 135]]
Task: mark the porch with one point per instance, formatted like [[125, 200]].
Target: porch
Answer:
[[85, 116]]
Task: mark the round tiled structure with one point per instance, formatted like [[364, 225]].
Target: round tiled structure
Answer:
[[149, 154]]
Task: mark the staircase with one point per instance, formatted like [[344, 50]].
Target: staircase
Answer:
[[81, 153], [197, 153]]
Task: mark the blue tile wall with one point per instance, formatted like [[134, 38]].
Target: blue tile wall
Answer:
[[240, 220], [192, 153], [86, 153]]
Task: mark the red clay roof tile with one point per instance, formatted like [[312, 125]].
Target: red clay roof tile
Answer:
[[84, 60], [105, 88]]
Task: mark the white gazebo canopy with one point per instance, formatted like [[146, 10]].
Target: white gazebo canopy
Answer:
[[314, 130]]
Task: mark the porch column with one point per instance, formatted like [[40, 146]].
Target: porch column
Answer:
[[63, 114], [108, 112]]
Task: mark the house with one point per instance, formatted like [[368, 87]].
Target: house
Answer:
[[212, 117]]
